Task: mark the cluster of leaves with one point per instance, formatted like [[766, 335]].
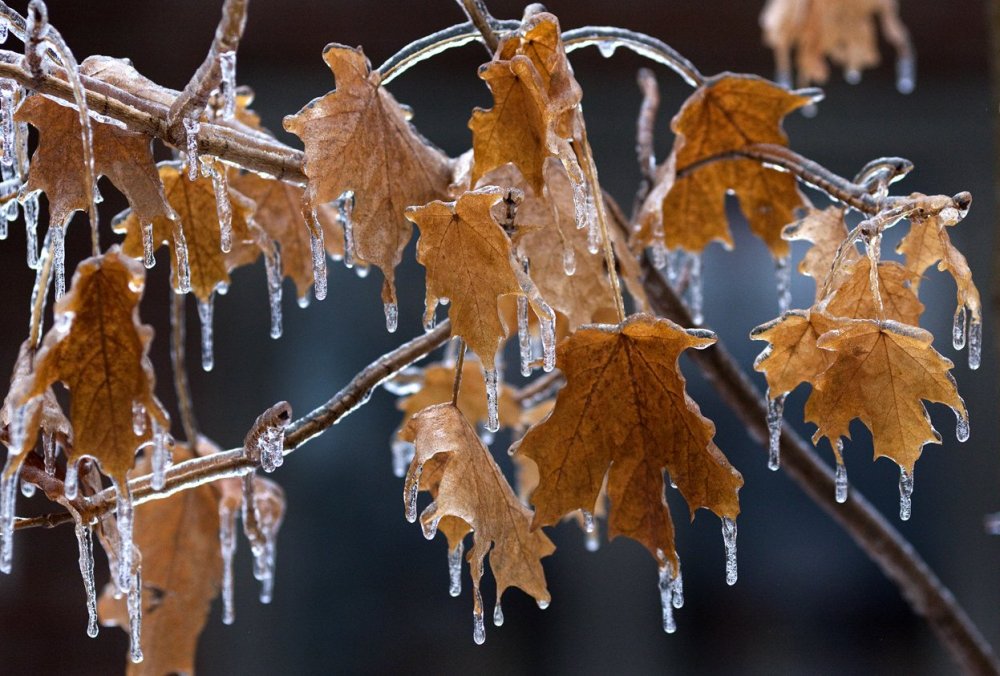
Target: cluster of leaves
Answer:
[[518, 222]]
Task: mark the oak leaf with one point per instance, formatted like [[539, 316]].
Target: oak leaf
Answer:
[[181, 573], [98, 349], [358, 138], [725, 114], [197, 224], [625, 413], [468, 486], [57, 166]]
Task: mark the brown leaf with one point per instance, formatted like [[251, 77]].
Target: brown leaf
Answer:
[[198, 223], [793, 356], [181, 573], [278, 211], [41, 413], [725, 114], [469, 260], [470, 487], [625, 412], [57, 166], [826, 231], [357, 138], [98, 349], [854, 299]]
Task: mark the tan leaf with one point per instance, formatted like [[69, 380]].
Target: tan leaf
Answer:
[[98, 349], [793, 357], [624, 413], [40, 414], [198, 223], [181, 572], [470, 487], [854, 298], [57, 166], [357, 138], [826, 231]]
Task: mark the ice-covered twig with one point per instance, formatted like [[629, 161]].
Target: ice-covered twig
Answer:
[[644, 147]]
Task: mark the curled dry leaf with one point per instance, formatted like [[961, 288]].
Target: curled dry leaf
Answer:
[[181, 571], [467, 486], [42, 413], [358, 138], [98, 349], [57, 166], [826, 230], [725, 114], [625, 413], [854, 299], [197, 225]]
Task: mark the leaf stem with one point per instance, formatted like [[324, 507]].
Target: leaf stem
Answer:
[[459, 367]]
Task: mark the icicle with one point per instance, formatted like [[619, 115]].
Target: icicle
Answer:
[[361, 271], [402, 454], [905, 494], [205, 314], [49, 452], [455, 569], [223, 207], [3, 31], [493, 423], [961, 426], [8, 88], [125, 513], [138, 419], [478, 626], [227, 545], [428, 523], [569, 261], [958, 328], [485, 435], [542, 604], [317, 245], [271, 444], [775, 409], [70, 482], [272, 264], [671, 596], [783, 275], [227, 85], [523, 336], [588, 521], [27, 489], [906, 77], [8, 500], [975, 342], [191, 128], [59, 258], [31, 228], [548, 331], [134, 604], [592, 541], [840, 477], [430, 314], [729, 537], [391, 317], [695, 290], [345, 208], [267, 565], [85, 541], [498, 615], [607, 48], [303, 302], [410, 497], [147, 246], [181, 254], [161, 457]]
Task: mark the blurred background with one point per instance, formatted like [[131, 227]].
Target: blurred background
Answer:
[[358, 588]]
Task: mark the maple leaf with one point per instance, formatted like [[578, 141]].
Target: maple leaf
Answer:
[[57, 166], [854, 298], [278, 212], [793, 357], [469, 260], [725, 114], [881, 373], [181, 571], [197, 224], [625, 413], [535, 97], [357, 138], [826, 230], [41, 413], [98, 349], [468, 486]]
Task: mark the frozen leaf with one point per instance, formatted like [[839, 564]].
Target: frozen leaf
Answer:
[[625, 413], [358, 138], [793, 357], [41, 413], [725, 114], [198, 224], [57, 167], [826, 231], [854, 299], [98, 348], [181, 572], [468, 486]]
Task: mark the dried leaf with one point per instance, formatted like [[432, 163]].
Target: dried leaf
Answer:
[[793, 357], [42, 413], [198, 220], [826, 230], [357, 138], [181, 573], [98, 349], [57, 166], [624, 412], [470, 487], [854, 299]]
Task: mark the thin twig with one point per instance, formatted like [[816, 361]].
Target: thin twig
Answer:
[[644, 148], [483, 21], [459, 367], [178, 361], [538, 386]]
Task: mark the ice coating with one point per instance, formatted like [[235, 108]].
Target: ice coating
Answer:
[[455, 569], [205, 311], [729, 538], [905, 494], [391, 317], [523, 336], [227, 547], [49, 452], [8, 88], [161, 456], [317, 246], [671, 596], [492, 399], [85, 543], [227, 83], [272, 265], [775, 409], [588, 521], [181, 254], [271, 445], [402, 454], [191, 129], [70, 482], [58, 243], [345, 208], [138, 419], [8, 500], [148, 259], [223, 204], [548, 331], [959, 327]]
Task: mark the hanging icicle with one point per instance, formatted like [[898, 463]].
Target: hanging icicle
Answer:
[[205, 311], [85, 542], [191, 128]]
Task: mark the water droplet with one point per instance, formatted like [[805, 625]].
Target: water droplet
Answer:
[[498, 615]]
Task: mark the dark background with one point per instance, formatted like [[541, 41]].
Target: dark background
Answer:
[[358, 589]]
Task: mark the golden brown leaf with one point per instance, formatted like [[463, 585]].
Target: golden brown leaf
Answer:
[[725, 114], [181, 573], [98, 349], [854, 299], [198, 223], [826, 231], [793, 357], [357, 138], [57, 167], [41, 413], [469, 486], [624, 412]]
